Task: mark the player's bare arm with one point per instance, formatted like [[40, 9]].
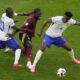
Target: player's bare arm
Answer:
[[23, 14], [19, 14], [43, 26]]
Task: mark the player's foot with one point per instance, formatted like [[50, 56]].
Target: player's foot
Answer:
[[17, 65], [28, 65], [76, 61], [33, 69]]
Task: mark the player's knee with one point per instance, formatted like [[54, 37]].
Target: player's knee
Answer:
[[42, 48], [29, 44], [69, 49]]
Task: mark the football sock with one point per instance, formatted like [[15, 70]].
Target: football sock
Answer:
[[28, 65], [28, 53], [37, 57], [17, 56], [71, 54], [29, 62]]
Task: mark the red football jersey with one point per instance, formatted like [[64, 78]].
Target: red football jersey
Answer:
[[30, 24]]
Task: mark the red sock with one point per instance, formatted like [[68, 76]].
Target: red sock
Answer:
[[28, 52]]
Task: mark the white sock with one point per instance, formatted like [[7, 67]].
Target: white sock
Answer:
[[17, 56], [71, 54], [37, 57]]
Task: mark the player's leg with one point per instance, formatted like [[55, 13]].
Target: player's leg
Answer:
[[28, 48], [26, 40], [13, 44], [17, 57], [38, 56], [71, 53], [69, 49], [45, 43], [62, 43]]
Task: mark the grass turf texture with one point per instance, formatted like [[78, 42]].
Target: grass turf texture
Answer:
[[54, 57]]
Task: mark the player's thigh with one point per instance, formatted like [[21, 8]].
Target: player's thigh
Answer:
[[46, 42], [12, 43], [67, 46], [23, 38]]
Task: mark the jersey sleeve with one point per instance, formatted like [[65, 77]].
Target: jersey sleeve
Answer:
[[53, 19], [72, 21], [3, 15]]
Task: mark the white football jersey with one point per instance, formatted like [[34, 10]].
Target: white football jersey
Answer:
[[58, 26], [6, 24]]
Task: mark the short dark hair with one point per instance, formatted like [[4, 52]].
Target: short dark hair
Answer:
[[68, 14], [9, 10], [36, 10]]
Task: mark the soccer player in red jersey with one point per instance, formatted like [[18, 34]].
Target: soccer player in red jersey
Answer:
[[28, 31]]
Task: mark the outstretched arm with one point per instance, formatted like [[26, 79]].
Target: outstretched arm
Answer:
[[44, 25], [23, 14]]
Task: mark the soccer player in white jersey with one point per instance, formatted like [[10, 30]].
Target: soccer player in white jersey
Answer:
[[7, 25], [53, 35]]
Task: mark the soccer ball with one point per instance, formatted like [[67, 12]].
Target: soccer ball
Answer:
[[61, 72]]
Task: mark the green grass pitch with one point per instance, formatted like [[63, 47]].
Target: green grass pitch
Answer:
[[53, 58]]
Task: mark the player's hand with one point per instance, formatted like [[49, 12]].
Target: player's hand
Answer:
[[39, 33], [15, 14]]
